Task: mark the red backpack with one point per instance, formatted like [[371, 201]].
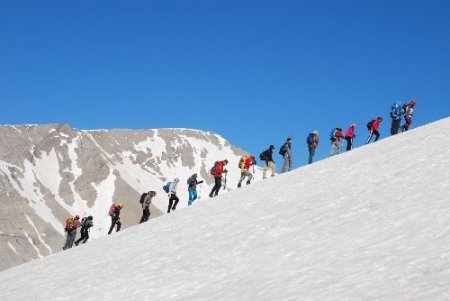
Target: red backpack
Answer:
[[112, 209]]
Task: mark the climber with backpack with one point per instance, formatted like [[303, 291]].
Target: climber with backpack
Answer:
[[312, 141], [409, 110], [244, 165], [145, 201], [192, 188], [267, 157], [396, 113], [70, 227], [216, 171], [86, 224], [285, 151], [335, 137], [350, 135], [172, 193], [373, 126], [114, 212]]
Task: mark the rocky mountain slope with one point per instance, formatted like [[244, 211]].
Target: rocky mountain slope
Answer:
[[49, 172]]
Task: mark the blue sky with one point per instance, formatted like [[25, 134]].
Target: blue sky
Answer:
[[255, 72]]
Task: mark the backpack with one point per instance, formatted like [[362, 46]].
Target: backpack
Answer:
[[112, 209], [167, 186], [214, 168], [310, 139], [242, 162], [84, 222], [70, 224], [283, 149], [333, 135], [369, 125], [262, 156], [143, 198]]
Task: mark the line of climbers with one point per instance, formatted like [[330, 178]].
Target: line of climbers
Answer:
[[246, 163]]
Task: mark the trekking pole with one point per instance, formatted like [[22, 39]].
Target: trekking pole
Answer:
[[225, 182], [199, 194]]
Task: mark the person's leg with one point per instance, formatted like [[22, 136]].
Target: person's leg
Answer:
[[377, 135], [266, 167], [86, 236], [145, 214], [249, 177], [72, 235], [170, 203], [331, 149], [285, 163], [370, 137], [339, 146], [272, 168], [311, 154], [242, 178], [218, 185], [119, 225], [176, 202], [191, 196], [113, 223], [82, 233]]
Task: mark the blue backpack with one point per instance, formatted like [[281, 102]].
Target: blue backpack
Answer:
[[396, 111], [310, 139], [167, 186]]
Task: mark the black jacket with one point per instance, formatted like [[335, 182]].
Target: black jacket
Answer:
[[267, 154]]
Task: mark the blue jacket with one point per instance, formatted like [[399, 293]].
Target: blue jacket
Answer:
[[397, 111]]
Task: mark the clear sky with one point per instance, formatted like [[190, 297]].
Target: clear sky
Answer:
[[255, 72]]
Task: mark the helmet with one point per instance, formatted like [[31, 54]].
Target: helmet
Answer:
[[315, 132], [413, 101], [353, 125]]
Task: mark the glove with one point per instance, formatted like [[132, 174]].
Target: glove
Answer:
[[225, 171]]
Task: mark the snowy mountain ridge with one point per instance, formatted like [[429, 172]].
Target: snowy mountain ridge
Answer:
[[49, 172], [370, 224]]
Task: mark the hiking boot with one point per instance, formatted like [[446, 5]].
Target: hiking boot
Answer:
[[76, 243], [210, 195], [239, 185], [248, 182]]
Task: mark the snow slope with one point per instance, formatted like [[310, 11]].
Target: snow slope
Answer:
[[372, 224]]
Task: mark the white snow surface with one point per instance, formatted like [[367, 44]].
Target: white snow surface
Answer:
[[371, 224]]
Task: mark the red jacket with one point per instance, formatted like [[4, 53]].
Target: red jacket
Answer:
[[219, 169], [375, 125]]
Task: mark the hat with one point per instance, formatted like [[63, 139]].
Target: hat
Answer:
[[413, 101], [176, 180], [272, 147], [121, 205], [77, 216], [315, 132], [288, 139], [226, 161], [353, 125]]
